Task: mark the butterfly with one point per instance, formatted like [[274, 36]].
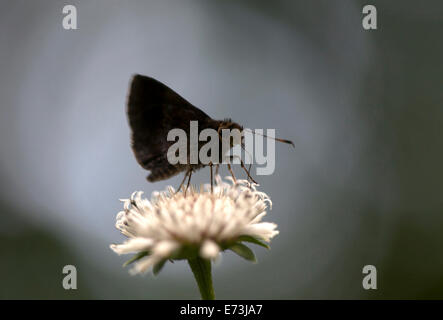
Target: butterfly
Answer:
[[153, 109]]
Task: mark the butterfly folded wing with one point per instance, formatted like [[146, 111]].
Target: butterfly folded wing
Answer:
[[153, 110]]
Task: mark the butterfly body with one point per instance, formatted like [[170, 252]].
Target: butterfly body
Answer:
[[153, 110]]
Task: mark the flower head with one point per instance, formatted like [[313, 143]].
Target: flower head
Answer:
[[175, 225]]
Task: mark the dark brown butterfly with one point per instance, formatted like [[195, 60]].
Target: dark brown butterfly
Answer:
[[153, 110]]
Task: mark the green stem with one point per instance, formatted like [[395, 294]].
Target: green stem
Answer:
[[201, 268]]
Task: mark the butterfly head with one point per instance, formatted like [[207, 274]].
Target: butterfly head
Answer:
[[230, 125]]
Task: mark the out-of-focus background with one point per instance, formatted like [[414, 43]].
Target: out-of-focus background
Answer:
[[365, 109]]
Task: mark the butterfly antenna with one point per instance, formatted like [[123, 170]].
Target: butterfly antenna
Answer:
[[242, 145], [276, 139], [248, 171]]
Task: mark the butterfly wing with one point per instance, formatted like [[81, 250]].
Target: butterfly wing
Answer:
[[153, 110]]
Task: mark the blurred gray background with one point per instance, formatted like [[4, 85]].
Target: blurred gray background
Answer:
[[364, 185]]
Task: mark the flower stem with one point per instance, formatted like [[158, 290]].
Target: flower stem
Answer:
[[201, 268]]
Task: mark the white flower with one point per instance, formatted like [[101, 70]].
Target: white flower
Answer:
[[173, 225]]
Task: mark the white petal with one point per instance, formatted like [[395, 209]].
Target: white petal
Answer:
[[165, 248], [264, 230], [132, 245], [209, 250], [258, 218], [143, 265]]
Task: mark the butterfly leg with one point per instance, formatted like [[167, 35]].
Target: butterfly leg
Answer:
[[244, 168], [189, 180], [232, 172], [183, 181], [247, 171], [212, 178]]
